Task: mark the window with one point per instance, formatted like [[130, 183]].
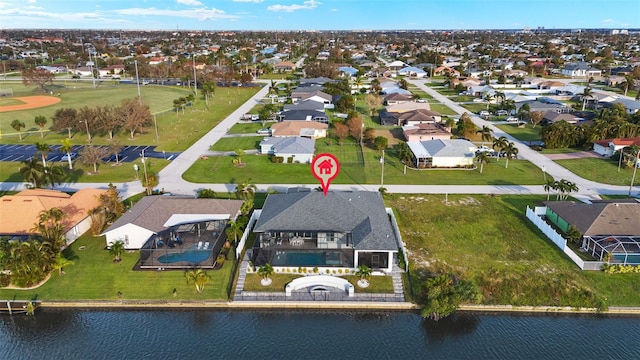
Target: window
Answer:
[[126, 239]]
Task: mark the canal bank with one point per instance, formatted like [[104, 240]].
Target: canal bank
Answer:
[[321, 305]]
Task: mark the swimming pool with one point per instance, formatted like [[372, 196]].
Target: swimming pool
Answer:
[[191, 256], [298, 258]]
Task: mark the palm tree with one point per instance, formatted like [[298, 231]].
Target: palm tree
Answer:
[[60, 263], [363, 272], [564, 188], [246, 190], [43, 149], [198, 277], [234, 230], [586, 93], [32, 171], [150, 181], [489, 98], [499, 144], [239, 154], [116, 249], [66, 148], [41, 121], [18, 126], [53, 174], [265, 271], [482, 158], [487, 133], [50, 227], [510, 151], [548, 186], [628, 83]]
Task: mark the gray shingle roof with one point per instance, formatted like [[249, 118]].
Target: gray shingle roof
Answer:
[[290, 145], [151, 212], [361, 213], [615, 218]]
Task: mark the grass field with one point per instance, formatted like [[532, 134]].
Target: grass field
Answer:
[[526, 133], [176, 131], [233, 143], [601, 170], [488, 240], [358, 168], [443, 109], [94, 276], [9, 171]]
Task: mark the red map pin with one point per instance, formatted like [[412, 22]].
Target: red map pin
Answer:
[[325, 168]]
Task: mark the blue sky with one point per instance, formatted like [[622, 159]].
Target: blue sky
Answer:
[[318, 14]]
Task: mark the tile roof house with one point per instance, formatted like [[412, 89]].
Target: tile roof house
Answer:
[[580, 69], [19, 213], [442, 153], [553, 117], [309, 129], [427, 131], [408, 106], [157, 215], [304, 115], [608, 147], [299, 149], [341, 229], [284, 66], [305, 105], [396, 98]]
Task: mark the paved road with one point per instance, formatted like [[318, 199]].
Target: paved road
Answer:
[[171, 176]]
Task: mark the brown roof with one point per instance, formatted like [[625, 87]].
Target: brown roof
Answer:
[[619, 142], [397, 97], [614, 218], [152, 212], [425, 129], [19, 213], [418, 115], [408, 106], [293, 128]]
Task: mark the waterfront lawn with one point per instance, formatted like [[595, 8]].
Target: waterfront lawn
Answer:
[[602, 170], [488, 240], [377, 284], [94, 276]]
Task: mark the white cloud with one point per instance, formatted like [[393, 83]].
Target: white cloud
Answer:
[[31, 1], [607, 21], [189, 2], [251, 1], [334, 10], [307, 5], [200, 14]]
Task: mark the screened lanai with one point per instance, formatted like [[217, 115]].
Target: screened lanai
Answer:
[[624, 250]]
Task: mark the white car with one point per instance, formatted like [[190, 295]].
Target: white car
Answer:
[[264, 131], [421, 100], [68, 156], [512, 119], [484, 113], [483, 148], [478, 100]]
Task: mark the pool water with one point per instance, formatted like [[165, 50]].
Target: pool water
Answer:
[[191, 256], [296, 258]]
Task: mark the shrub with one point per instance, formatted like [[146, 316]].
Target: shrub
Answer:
[[5, 280], [277, 159], [290, 160]]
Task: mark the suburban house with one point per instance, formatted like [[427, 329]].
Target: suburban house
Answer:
[[19, 213], [339, 230], [608, 147], [630, 106], [545, 105], [551, 117], [426, 131], [442, 153], [419, 116], [408, 106], [580, 69], [304, 115], [292, 149], [396, 98], [308, 129], [305, 105], [173, 231], [608, 228], [412, 71], [310, 93], [396, 65], [284, 66]]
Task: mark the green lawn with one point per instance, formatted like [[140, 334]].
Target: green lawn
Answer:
[[526, 133], [9, 171], [247, 127], [488, 240], [601, 170], [443, 109], [94, 276], [233, 143], [475, 108], [357, 168]]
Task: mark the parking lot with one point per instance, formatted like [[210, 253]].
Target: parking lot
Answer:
[[127, 154]]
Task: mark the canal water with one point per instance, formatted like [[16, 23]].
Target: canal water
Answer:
[[211, 334]]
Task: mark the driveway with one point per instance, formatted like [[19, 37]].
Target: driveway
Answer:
[[574, 155]]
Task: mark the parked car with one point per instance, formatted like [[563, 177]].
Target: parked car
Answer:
[[264, 131], [421, 100], [68, 156], [112, 158], [484, 113], [478, 100], [484, 148], [502, 113], [512, 119]]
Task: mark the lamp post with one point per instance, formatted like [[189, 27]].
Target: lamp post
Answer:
[[135, 62], [382, 170], [544, 172], [144, 169], [195, 80]]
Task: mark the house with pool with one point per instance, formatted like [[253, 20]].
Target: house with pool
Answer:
[[343, 229], [174, 232]]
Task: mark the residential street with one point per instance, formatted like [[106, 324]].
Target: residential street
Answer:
[[171, 176]]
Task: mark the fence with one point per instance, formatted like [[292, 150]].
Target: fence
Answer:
[[254, 217], [559, 241], [401, 244]]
